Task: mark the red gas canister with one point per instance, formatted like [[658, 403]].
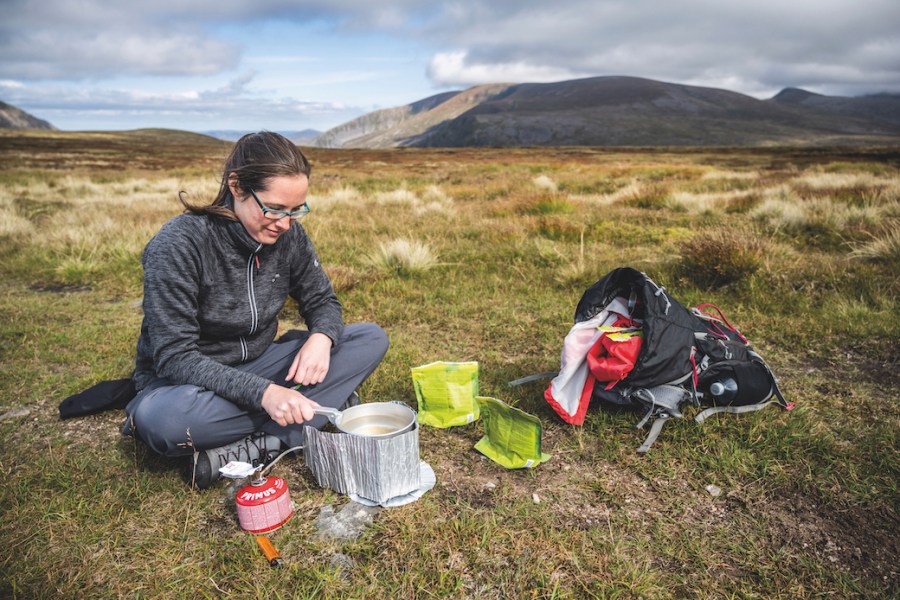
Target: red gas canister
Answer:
[[264, 505]]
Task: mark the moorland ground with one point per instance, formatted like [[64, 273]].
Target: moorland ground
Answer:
[[476, 255]]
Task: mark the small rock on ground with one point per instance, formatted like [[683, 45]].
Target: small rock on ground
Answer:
[[15, 413], [714, 490], [347, 523]]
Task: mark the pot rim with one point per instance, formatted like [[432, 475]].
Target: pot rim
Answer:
[[375, 409]]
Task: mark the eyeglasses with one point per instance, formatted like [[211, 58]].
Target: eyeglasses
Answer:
[[271, 213]]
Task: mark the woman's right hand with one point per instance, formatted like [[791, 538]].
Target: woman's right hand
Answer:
[[287, 406]]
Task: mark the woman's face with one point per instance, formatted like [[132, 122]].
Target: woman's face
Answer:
[[285, 193]]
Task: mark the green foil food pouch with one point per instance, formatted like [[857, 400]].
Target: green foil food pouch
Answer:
[[446, 393], [512, 437]]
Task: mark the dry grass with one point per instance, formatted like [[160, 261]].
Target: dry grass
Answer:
[[476, 255], [430, 200], [712, 202]]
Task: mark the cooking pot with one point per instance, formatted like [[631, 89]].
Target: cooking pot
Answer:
[[373, 419]]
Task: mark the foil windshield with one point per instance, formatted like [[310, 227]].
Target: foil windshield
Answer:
[[376, 469]]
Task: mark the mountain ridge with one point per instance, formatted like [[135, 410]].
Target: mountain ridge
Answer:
[[12, 117], [612, 110], [620, 111]]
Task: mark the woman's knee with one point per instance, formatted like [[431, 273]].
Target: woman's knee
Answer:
[[371, 336], [165, 418], [371, 340], [161, 425]]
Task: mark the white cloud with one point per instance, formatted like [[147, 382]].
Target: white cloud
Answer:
[[452, 69], [108, 108], [57, 39]]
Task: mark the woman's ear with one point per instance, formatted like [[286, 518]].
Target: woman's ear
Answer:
[[234, 185]]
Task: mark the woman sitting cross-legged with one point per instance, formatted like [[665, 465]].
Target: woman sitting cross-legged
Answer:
[[213, 383]]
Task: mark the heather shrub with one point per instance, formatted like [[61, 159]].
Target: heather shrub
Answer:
[[654, 196], [722, 257], [548, 206], [559, 229], [343, 278], [742, 203]]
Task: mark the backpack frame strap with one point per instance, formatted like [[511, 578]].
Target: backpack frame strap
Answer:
[[734, 410], [530, 378], [654, 433]]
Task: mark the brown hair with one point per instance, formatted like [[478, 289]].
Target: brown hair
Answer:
[[255, 158]]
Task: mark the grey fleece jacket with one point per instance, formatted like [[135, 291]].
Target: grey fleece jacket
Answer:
[[212, 295]]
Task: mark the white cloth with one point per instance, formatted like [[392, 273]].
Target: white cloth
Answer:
[[565, 391]]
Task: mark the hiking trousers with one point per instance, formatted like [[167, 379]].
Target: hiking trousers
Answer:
[[176, 420]]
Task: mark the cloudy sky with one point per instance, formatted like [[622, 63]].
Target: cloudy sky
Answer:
[[288, 65]]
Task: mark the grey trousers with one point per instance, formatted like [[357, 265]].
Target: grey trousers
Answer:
[[175, 420]]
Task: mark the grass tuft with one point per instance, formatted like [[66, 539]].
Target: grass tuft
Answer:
[[884, 248], [403, 256], [543, 182]]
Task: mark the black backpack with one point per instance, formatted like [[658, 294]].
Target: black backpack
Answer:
[[687, 357]]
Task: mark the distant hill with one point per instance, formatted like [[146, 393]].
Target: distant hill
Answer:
[[620, 111], [16, 118], [301, 138], [884, 108], [162, 134]]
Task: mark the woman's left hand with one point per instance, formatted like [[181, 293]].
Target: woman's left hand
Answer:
[[312, 361]]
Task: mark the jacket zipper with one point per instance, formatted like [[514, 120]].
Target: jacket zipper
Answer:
[[251, 296]]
